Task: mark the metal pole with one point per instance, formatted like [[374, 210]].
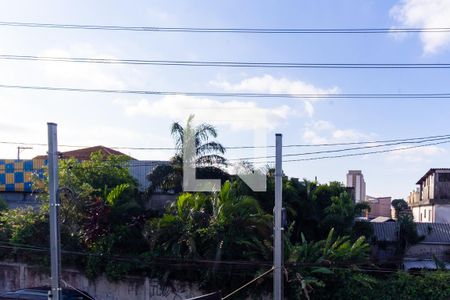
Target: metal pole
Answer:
[[55, 246], [278, 253]]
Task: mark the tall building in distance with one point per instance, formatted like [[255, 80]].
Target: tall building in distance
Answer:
[[355, 181]]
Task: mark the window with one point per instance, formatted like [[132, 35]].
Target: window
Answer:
[[444, 177]]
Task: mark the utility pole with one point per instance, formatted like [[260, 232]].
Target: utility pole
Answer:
[[278, 233], [55, 246], [19, 149]]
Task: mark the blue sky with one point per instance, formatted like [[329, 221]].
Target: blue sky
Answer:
[[128, 120]]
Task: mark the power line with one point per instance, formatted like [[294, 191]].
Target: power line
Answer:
[[310, 158], [234, 64], [243, 95], [447, 138], [365, 153], [430, 137], [225, 29]]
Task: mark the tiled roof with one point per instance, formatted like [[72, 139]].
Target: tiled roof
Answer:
[[422, 264], [386, 231], [85, 153], [381, 219], [434, 233]]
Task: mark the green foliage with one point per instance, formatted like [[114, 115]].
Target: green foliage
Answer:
[[399, 206], [312, 264], [403, 286], [407, 233], [347, 283], [3, 204], [208, 156]]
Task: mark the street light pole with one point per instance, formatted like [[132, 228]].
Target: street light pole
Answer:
[[55, 247], [278, 247]]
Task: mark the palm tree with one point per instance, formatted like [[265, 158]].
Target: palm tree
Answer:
[[207, 157], [207, 151]]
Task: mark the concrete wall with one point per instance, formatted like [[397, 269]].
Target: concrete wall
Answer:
[[15, 275], [379, 207], [442, 213], [426, 251], [425, 214], [438, 213], [19, 199]]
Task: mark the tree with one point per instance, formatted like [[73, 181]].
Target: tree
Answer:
[[208, 157], [311, 264], [101, 210], [399, 206], [207, 151]]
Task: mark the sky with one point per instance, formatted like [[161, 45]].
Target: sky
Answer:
[[89, 119]]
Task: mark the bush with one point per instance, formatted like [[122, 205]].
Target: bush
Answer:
[[350, 284], [3, 204]]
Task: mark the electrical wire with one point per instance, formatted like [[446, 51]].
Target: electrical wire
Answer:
[[231, 64], [226, 30], [310, 153], [241, 147], [234, 94], [346, 149], [357, 266], [365, 153]]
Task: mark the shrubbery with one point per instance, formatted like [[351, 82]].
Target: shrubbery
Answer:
[[217, 240]]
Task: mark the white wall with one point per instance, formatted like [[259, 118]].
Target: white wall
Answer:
[[424, 214], [442, 213], [15, 275]]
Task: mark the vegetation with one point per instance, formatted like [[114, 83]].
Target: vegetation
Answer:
[[208, 156], [400, 206], [218, 240], [3, 204]]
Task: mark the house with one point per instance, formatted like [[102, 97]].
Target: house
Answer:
[[435, 243], [139, 169], [430, 202], [85, 153], [16, 175], [379, 207]]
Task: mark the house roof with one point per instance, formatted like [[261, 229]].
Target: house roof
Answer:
[[433, 233], [381, 219], [422, 264], [431, 171], [85, 153]]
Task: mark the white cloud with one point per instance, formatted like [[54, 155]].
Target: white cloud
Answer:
[[321, 131], [237, 115], [425, 14], [270, 84], [415, 155], [82, 74]]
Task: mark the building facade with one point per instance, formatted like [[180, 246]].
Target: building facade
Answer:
[[430, 202], [355, 181], [379, 207], [16, 176], [435, 243]]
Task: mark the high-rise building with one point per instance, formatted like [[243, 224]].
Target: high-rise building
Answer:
[[355, 181]]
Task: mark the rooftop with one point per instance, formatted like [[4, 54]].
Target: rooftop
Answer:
[[434, 233], [431, 171], [85, 153]]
